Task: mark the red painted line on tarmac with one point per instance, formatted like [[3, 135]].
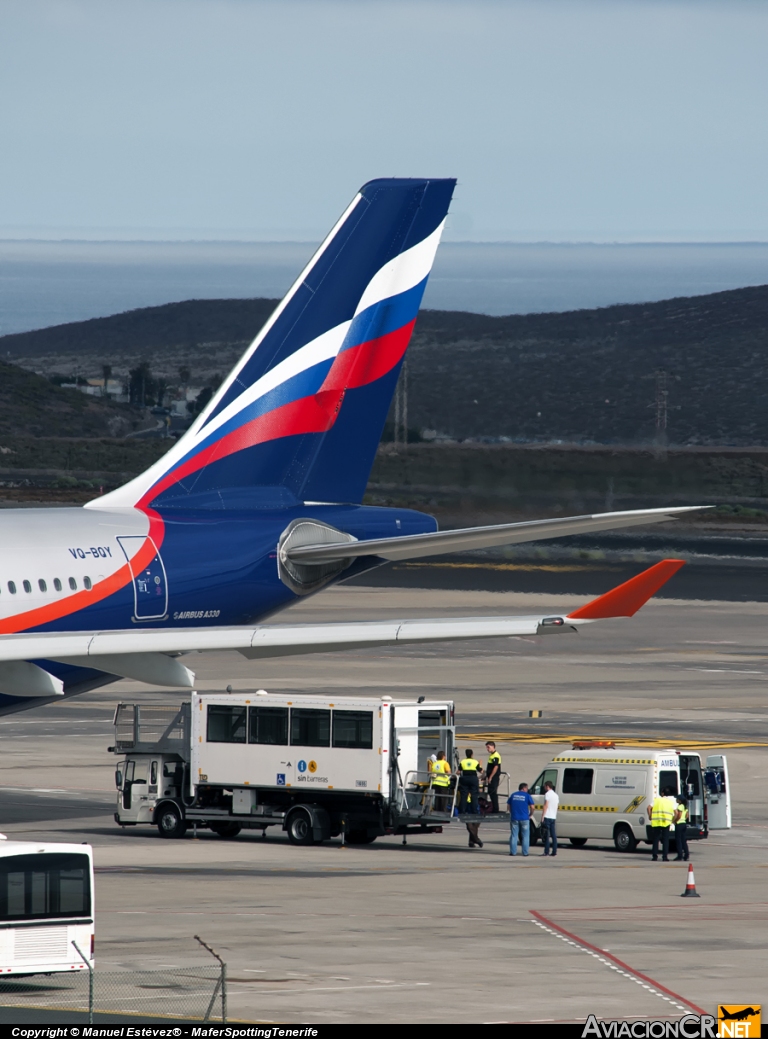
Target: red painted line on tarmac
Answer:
[[616, 960]]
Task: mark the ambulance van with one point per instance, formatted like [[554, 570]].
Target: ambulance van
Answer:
[[605, 792]]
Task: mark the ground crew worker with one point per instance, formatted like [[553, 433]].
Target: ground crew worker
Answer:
[[441, 782], [661, 814], [681, 829], [493, 774], [469, 785]]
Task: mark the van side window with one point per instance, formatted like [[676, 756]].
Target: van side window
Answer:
[[268, 725], [225, 724], [153, 773], [353, 729], [668, 778], [577, 780], [549, 775], [310, 728]]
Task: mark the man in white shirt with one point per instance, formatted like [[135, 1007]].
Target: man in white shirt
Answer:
[[548, 817]]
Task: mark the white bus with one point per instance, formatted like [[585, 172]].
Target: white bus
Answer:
[[46, 906]]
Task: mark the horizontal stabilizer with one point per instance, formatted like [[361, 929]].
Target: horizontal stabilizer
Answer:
[[415, 546]]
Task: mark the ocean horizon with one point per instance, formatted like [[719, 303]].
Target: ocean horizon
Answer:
[[56, 282]]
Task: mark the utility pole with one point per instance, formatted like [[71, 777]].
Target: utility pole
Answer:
[[405, 404], [397, 415], [662, 401]]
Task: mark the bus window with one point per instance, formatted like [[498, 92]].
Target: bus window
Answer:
[[268, 725], [353, 729], [43, 887], [549, 775], [577, 780], [225, 724], [310, 728]]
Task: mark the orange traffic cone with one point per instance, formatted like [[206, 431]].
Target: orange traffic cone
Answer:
[[690, 885]]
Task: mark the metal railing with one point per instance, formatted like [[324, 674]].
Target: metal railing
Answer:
[[419, 798]]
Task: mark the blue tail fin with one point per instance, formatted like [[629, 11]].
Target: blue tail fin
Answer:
[[301, 415]]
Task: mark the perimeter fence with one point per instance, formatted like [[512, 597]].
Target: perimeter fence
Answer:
[[186, 993]]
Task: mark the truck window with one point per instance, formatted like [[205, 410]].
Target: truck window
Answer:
[[549, 775], [310, 727], [268, 725], [668, 779], [577, 780], [225, 724], [353, 729]]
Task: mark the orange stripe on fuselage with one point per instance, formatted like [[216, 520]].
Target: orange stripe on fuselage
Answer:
[[101, 590]]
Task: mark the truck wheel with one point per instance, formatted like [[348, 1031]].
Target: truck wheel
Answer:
[[169, 822], [623, 838], [360, 837], [225, 830], [578, 842], [299, 827]]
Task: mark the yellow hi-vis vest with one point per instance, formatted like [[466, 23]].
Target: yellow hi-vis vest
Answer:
[[662, 812], [683, 814], [469, 765], [494, 759], [441, 773]]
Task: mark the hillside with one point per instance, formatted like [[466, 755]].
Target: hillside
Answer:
[[585, 376], [31, 405]]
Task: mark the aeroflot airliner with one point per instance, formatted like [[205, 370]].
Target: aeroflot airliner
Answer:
[[260, 501]]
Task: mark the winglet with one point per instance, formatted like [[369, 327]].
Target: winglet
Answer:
[[627, 598]]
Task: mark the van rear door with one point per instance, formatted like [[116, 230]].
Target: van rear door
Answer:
[[718, 792], [692, 788]]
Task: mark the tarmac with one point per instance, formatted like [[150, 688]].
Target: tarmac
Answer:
[[435, 931]]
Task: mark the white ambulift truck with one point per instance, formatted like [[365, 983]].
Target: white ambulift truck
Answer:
[[317, 768]]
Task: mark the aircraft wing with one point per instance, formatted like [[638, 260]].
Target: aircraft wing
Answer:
[[153, 656], [415, 546]]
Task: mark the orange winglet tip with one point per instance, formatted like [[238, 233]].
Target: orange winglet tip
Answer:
[[627, 598]]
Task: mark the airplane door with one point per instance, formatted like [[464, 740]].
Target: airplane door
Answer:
[[718, 792], [150, 585]]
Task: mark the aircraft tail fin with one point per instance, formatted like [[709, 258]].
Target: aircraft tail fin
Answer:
[[301, 415]]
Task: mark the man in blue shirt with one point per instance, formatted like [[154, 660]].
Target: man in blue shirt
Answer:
[[520, 812]]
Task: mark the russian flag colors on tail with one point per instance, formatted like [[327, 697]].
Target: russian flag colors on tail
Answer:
[[260, 502], [300, 417]]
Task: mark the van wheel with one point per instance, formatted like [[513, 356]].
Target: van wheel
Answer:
[[169, 822], [534, 836], [360, 837], [225, 830], [578, 842], [299, 827], [623, 838]]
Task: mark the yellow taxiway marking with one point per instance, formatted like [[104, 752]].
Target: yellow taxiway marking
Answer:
[[662, 742]]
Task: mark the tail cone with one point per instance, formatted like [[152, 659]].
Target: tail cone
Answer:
[[690, 885]]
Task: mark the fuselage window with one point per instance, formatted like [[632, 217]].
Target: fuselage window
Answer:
[[42, 585], [57, 584], [27, 586], [73, 584], [87, 583], [12, 587]]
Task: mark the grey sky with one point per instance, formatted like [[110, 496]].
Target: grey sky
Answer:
[[562, 119]]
